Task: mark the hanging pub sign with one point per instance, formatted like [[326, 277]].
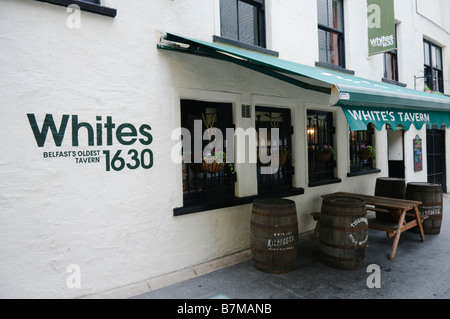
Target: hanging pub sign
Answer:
[[381, 26], [417, 144]]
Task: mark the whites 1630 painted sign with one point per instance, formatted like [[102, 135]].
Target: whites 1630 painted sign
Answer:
[[125, 134]]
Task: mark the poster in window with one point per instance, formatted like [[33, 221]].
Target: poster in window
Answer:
[[417, 154]]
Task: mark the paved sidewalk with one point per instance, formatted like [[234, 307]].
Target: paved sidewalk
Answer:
[[420, 270]]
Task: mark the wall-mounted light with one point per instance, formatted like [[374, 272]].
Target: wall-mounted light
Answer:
[[312, 135]]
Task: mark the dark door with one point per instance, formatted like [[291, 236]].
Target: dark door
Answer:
[[436, 157]]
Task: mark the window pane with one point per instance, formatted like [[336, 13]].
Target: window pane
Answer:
[[329, 47], [438, 81], [248, 23], [428, 77], [438, 59], [322, 11], [228, 19], [329, 13], [389, 68], [426, 52], [335, 49], [336, 16], [323, 46], [433, 55]]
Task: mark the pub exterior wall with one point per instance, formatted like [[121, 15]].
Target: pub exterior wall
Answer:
[[118, 226]]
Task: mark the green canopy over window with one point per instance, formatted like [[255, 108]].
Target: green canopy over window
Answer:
[[363, 101]]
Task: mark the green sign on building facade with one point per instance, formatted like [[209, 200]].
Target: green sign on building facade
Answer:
[[381, 26]]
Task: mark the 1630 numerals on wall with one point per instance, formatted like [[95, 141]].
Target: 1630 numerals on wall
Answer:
[[133, 159]]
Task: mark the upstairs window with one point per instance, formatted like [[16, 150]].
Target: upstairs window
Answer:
[[391, 66], [391, 63], [434, 78], [331, 32], [243, 21]]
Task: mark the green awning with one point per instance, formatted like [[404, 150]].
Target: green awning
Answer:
[[363, 101]]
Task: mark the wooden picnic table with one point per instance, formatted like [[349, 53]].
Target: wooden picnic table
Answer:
[[398, 208]]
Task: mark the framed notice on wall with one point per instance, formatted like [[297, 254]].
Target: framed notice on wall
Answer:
[[417, 147]]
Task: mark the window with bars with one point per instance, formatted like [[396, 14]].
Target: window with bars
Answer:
[[243, 21], [331, 32], [361, 157], [275, 118], [206, 181], [433, 71], [321, 151]]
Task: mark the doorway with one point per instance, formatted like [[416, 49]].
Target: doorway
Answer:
[[396, 154], [436, 157]]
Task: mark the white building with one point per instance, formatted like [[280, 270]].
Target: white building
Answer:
[[92, 198]]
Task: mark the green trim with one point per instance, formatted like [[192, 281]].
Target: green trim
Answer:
[[345, 90], [211, 53]]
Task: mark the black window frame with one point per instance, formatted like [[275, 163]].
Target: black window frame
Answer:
[[281, 181], [199, 186], [261, 20], [357, 139], [195, 203], [332, 30], [320, 132], [391, 74], [434, 77], [92, 6]]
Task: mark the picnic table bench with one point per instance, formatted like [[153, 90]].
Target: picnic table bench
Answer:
[[398, 208]]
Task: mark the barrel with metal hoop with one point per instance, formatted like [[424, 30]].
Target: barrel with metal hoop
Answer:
[[432, 205], [274, 235], [344, 232]]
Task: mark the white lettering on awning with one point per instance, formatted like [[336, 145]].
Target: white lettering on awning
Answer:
[[386, 116]]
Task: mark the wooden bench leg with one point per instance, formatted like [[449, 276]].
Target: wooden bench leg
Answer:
[[397, 235], [419, 223]]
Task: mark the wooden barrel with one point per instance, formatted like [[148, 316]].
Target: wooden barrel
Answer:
[[432, 205], [274, 235], [343, 232], [392, 188]]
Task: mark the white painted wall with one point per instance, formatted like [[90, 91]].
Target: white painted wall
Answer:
[[119, 226]]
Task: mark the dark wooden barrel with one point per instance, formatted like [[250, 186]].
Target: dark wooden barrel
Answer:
[[343, 232], [274, 235], [432, 205], [392, 188]]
